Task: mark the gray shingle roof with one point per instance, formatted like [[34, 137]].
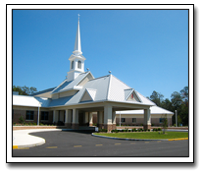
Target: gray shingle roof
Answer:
[[106, 88]]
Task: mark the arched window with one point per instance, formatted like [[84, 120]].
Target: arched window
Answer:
[[79, 64], [72, 65]]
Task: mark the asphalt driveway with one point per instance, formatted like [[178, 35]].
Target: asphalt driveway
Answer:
[[82, 144]]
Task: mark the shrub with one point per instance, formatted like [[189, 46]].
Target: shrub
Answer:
[[159, 129], [126, 130], [133, 130], [148, 129], [103, 130], [114, 131], [21, 120]]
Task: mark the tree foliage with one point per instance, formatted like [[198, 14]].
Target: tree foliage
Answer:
[[24, 90], [179, 102], [157, 98]]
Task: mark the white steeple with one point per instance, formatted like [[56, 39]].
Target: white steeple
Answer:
[[76, 59], [77, 46]]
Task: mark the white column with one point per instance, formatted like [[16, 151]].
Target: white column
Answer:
[[55, 116], [68, 116], [108, 118], [75, 116], [114, 117], [107, 114], [147, 118], [90, 119]]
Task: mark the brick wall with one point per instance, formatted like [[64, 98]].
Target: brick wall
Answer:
[[139, 121], [37, 127], [18, 113]]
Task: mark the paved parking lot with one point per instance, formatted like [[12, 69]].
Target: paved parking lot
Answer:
[[71, 143]]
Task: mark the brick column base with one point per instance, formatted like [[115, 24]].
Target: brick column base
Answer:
[[68, 125], [75, 126], [146, 127], [109, 127]]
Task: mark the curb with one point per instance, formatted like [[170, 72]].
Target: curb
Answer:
[[139, 139], [30, 145], [178, 139], [40, 142]]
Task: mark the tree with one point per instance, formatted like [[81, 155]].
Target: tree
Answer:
[[24, 90], [157, 98], [176, 99], [164, 123], [184, 93], [167, 104], [180, 103]]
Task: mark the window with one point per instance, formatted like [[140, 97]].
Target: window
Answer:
[[122, 119], [44, 115], [79, 64], [29, 115], [72, 65], [161, 120], [134, 120]]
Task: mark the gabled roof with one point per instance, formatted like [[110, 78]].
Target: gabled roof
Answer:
[[131, 95], [70, 85], [44, 93], [89, 95], [22, 100], [106, 88], [118, 91], [154, 110]]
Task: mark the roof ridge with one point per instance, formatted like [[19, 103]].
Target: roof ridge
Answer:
[[99, 78], [59, 85], [42, 91], [109, 83]]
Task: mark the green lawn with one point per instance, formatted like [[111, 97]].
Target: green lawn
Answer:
[[147, 135]]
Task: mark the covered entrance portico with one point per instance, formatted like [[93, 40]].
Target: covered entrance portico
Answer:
[[82, 114]]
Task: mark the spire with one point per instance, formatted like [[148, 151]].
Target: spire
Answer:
[[76, 59], [77, 46]]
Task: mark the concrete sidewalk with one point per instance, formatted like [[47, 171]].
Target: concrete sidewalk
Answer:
[[22, 139]]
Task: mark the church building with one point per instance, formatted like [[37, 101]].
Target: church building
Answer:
[[81, 96]]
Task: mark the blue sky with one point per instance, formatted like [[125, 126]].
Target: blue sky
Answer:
[[146, 49]]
